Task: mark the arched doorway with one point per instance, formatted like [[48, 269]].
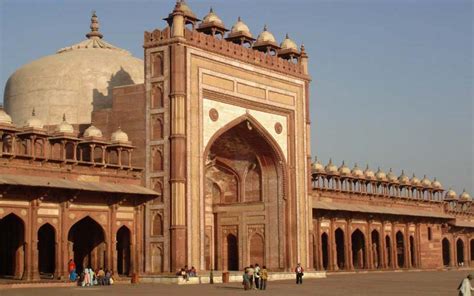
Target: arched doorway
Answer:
[[232, 252], [88, 245], [472, 249], [412, 251], [324, 250], [12, 240], [46, 250], [358, 249], [388, 250], [123, 251], [400, 250], [257, 250], [376, 249], [340, 249], [446, 252], [460, 252]]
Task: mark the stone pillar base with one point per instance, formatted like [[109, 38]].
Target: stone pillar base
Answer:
[[178, 247]]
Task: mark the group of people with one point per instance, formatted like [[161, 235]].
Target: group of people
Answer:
[[186, 272], [255, 277], [90, 277]]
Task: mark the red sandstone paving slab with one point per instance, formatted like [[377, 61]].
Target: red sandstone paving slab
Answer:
[[361, 284]]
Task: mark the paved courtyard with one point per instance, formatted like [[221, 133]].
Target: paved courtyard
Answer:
[[386, 283]]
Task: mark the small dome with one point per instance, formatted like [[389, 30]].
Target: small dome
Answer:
[[380, 175], [415, 181], [344, 170], [92, 131], [33, 121], [425, 182], [186, 9], [240, 27], [4, 117], [317, 166], [403, 179], [451, 194], [266, 36], [331, 168], [288, 44], [211, 17], [436, 184], [464, 196], [369, 174], [119, 136], [64, 126], [391, 177], [357, 172]]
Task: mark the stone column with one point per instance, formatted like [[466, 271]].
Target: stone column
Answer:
[[406, 242], [369, 249], [111, 245], [452, 250], [178, 156], [383, 247], [32, 258], [394, 247], [350, 265], [332, 246]]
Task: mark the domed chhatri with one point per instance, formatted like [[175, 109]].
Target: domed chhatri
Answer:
[[266, 36], [119, 137], [451, 195], [380, 175], [436, 184], [33, 122], [92, 132], [344, 170], [266, 42], [403, 179], [5, 119], [64, 127], [92, 68], [240, 33], [331, 168], [464, 196], [368, 173], [288, 43], [288, 49], [317, 166], [391, 177], [212, 17], [415, 181], [357, 172], [425, 182], [212, 24]]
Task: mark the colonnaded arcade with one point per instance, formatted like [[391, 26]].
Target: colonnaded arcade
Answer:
[[199, 155]]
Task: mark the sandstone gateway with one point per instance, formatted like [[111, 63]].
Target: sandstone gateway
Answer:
[[198, 156]]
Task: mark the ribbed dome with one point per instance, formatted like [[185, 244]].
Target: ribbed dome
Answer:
[[415, 181], [357, 172], [344, 170], [369, 174], [317, 166], [33, 121], [403, 179], [4, 117], [288, 44], [211, 17], [380, 175], [266, 36], [240, 27], [464, 196], [331, 168], [436, 184], [76, 80], [64, 126], [119, 136], [391, 177], [425, 182], [451, 194], [92, 131]]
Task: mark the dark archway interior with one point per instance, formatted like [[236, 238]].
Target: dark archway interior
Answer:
[[388, 250], [123, 251], [460, 252], [232, 252], [12, 238], [400, 250], [377, 262], [324, 247], [358, 249], [446, 252], [46, 250], [340, 248], [89, 248]]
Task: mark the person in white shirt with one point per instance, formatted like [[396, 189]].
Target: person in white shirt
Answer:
[[465, 287]]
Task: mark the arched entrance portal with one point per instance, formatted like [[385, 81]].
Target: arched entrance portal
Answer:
[[340, 248], [88, 245], [46, 250], [12, 239], [123, 251], [376, 249], [232, 252], [244, 168], [324, 250], [446, 252], [388, 250], [400, 250], [460, 252], [358, 249]]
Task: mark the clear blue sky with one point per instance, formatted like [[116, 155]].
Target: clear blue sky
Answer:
[[392, 79]]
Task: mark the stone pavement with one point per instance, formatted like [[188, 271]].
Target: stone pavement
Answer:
[[366, 284]]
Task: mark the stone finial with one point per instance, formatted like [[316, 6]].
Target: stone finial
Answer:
[[94, 27]]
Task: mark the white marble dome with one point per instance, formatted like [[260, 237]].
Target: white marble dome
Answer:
[[64, 127], [266, 36], [119, 136], [75, 80], [33, 121], [92, 131], [288, 43], [4, 117], [240, 27]]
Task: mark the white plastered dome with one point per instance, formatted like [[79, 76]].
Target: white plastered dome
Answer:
[[119, 136]]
